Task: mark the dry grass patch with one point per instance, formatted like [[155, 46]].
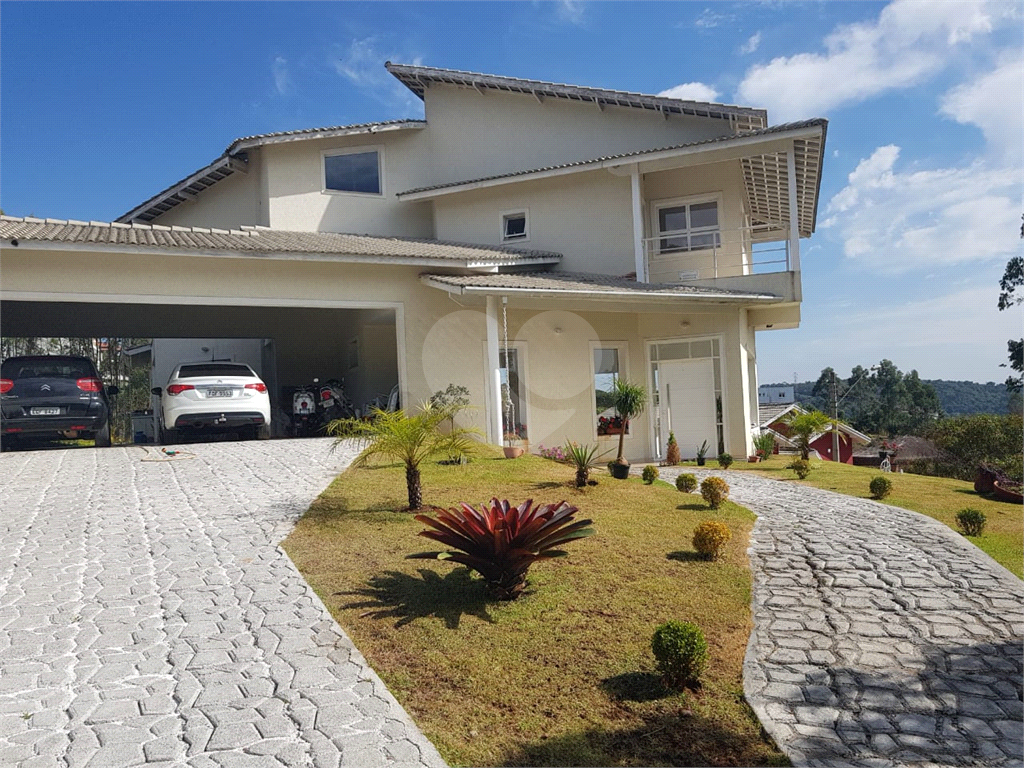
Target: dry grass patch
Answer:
[[564, 675], [937, 497]]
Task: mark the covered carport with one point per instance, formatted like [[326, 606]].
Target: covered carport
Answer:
[[333, 305], [345, 340]]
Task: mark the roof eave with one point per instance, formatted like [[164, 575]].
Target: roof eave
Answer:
[[417, 78], [595, 295], [730, 143], [240, 145], [227, 253]]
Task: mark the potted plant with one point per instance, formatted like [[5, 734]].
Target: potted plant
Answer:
[[513, 447], [630, 400], [702, 453], [764, 446]]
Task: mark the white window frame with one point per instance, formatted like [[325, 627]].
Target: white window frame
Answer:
[[654, 447], [503, 216], [622, 347], [658, 205], [360, 150]]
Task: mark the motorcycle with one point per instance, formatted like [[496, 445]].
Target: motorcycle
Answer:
[[333, 403], [305, 418]]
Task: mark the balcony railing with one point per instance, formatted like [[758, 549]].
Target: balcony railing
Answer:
[[681, 255]]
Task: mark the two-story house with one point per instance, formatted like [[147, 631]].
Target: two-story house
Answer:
[[529, 240]]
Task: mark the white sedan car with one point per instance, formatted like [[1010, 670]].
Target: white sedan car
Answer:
[[214, 397]]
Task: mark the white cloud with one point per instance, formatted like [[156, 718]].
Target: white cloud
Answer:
[[995, 103], [691, 92], [956, 335], [570, 11], [897, 221], [752, 44], [362, 63], [907, 44], [959, 334], [710, 19], [280, 72]]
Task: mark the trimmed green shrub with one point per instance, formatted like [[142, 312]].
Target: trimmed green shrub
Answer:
[[970, 521], [724, 460], [801, 467], [714, 490], [650, 474], [710, 538], [680, 653], [880, 487], [686, 483]]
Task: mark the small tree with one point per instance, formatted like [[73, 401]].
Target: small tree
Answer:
[[630, 400], [453, 401], [803, 427], [410, 439]]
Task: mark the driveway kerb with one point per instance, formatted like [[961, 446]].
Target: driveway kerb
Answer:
[[881, 636], [148, 616]]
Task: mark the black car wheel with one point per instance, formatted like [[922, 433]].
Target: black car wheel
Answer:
[[168, 436], [103, 436]]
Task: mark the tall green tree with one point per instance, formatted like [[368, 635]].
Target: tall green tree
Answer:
[[1013, 279]]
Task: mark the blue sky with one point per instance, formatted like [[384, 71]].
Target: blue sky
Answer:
[[104, 104]]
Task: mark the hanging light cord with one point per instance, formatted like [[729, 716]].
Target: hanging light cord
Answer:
[[509, 408]]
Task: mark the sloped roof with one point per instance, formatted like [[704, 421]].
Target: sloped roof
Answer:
[[770, 414], [766, 176], [581, 284], [766, 414], [233, 160], [18, 232], [417, 79], [307, 134]]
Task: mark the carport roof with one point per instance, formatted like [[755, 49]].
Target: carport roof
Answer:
[[140, 238], [582, 285]]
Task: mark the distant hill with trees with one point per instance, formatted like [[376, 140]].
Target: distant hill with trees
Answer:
[[867, 404]]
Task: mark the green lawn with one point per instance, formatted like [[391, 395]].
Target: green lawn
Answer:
[[563, 676], [937, 497]]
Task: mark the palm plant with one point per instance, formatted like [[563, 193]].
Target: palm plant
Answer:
[[630, 400], [410, 439], [803, 427], [584, 458], [501, 542]]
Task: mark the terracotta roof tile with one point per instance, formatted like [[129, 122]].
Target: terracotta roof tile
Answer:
[[261, 240]]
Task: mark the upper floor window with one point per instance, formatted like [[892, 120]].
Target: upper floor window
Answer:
[[688, 225], [354, 171], [514, 226]]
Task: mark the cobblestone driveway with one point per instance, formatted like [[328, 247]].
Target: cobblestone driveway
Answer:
[[148, 616], [881, 637]]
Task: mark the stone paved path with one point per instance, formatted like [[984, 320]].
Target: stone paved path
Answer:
[[881, 637], [147, 615]]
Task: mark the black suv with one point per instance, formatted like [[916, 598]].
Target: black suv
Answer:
[[52, 396]]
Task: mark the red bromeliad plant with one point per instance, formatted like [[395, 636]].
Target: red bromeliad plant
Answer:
[[501, 542]]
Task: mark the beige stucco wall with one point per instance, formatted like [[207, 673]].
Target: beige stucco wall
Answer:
[[228, 204], [439, 341], [297, 200], [586, 217], [473, 135], [723, 180]]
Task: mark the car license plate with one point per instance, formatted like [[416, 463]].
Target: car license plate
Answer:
[[45, 412], [327, 403], [218, 393]]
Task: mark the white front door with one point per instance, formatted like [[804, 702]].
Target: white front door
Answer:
[[686, 396]]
